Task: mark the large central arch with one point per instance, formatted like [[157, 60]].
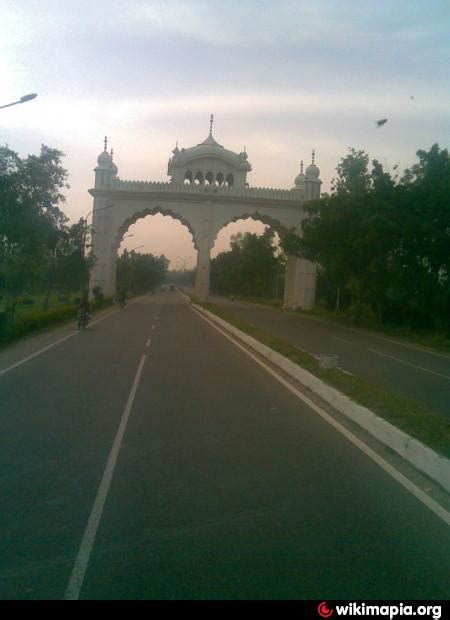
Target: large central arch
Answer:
[[205, 208]]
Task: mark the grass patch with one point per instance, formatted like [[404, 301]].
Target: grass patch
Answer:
[[405, 414], [274, 303], [33, 320]]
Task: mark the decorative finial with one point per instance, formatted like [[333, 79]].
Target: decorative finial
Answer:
[[106, 143], [211, 120], [112, 154], [301, 167], [313, 155]]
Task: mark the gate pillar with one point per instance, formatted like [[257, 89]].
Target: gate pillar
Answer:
[[203, 271], [300, 283], [104, 250]]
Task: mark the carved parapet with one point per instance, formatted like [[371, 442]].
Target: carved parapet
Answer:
[[170, 186]]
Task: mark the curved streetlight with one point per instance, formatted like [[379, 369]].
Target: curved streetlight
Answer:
[[21, 100], [184, 261], [136, 248], [86, 221]]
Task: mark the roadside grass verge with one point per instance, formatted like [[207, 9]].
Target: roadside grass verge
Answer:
[[33, 321], [425, 426]]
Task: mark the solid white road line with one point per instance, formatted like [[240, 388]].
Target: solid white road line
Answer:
[[438, 510], [341, 339], [153, 327], [147, 344], [82, 561], [30, 357], [396, 359], [50, 346], [345, 371], [407, 345]]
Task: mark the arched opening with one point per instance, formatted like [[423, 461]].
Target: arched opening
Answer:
[[188, 177], [198, 178], [219, 178], [209, 178], [230, 180], [247, 260], [166, 238]]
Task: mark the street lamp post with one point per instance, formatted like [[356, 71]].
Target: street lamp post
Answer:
[[21, 100], [184, 261], [86, 223], [85, 234]]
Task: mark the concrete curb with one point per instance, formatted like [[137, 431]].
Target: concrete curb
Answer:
[[423, 458]]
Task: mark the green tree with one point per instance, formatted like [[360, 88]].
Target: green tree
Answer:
[[139, 273], [250, 268], [30, 218], [383, 243]]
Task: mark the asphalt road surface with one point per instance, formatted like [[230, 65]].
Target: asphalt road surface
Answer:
[[149, 458], [404, 368]]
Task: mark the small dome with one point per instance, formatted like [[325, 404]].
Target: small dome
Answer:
[[312, 172], [104, 160], [300, 180]]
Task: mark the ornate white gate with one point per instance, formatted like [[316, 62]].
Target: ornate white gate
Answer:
[[208, 190]]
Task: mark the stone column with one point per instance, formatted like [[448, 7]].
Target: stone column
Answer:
[[202, 275], [103, 273], [204, 242], [300, 283]]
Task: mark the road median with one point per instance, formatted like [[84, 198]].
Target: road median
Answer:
[[419, 436]]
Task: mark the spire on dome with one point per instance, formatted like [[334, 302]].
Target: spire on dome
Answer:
[[301, 167], [312, 171], [106, 144], [210, 140]]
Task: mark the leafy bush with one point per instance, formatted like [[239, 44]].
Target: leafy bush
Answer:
[[35, 321]]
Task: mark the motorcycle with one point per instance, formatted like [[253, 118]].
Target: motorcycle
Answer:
[[83, 319]]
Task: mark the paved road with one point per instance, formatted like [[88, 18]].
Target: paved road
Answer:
[[225, 484], [406, 369]]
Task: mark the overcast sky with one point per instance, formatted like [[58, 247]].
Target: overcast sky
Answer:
[[281, 78]]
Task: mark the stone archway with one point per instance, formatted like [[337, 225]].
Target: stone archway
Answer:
[[204, 207]]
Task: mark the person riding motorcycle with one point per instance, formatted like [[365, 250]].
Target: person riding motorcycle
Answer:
[[83, 313], [121, 297]]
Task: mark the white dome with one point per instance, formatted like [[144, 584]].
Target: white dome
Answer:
[[312, 172], [300, 180], [104, 160]]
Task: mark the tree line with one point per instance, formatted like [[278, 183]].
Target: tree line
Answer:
[[140, 273], [251, 268], [41, 253], [381, 241], [39, 250]]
